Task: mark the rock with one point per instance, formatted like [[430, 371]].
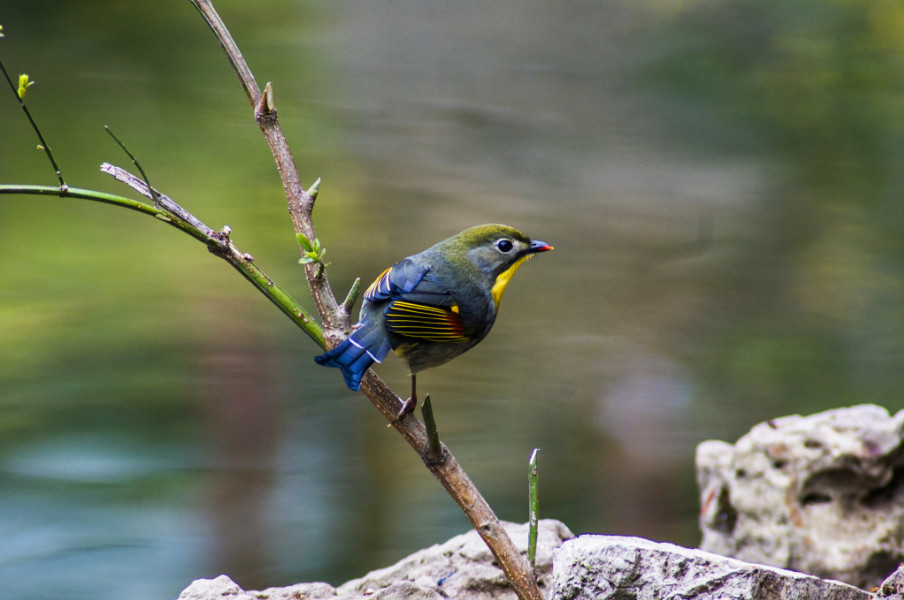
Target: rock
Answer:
[[299, 591], [223, 587], [596, 567], [822, 494], [893, 587], [462, 567]]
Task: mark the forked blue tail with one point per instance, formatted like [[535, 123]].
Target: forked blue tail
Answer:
[[366, 345]]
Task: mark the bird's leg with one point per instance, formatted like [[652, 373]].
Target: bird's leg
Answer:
[[411, 403]]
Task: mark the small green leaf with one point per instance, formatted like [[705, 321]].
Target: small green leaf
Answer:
[[305, 242], [313, 251], [24, 84]]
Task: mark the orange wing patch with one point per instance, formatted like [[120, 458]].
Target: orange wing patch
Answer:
[[426, 322]]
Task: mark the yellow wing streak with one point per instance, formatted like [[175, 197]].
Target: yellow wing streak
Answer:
[[380, 282], [431, 323]]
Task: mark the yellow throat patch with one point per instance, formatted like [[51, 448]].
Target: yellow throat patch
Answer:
[[503, 280]]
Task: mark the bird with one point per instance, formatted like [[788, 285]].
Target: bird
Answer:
[[434, 305]]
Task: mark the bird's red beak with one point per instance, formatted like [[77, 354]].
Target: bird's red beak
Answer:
[[538, 246]]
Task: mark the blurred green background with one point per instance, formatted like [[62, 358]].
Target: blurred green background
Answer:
[[721, 179]]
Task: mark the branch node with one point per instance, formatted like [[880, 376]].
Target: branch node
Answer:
[[314, 190], [265, 107], [352, 296]]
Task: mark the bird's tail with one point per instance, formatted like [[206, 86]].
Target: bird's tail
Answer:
[[366, 345]]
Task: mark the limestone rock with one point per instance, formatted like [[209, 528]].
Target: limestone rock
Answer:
[[822, 494], [893, 587], [207, 589], [460, 568], [596, 567], [463, 566], [223, 588]]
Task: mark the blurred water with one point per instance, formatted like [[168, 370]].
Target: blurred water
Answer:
[[721, 181]]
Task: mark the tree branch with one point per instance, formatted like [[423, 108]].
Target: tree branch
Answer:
[[172, 214], [336, 322], [301, 203]]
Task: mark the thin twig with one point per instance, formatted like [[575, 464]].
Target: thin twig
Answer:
[[249, 84], [134, 162], [43, 144]]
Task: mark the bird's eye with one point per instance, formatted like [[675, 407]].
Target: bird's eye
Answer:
[[505, 245]]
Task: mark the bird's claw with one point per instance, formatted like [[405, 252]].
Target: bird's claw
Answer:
[[408, 406]]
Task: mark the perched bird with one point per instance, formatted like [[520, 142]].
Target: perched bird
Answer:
[[433, 305]]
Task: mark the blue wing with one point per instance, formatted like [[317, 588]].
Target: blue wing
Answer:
[[406, 281], [418, 307], [415, 307]]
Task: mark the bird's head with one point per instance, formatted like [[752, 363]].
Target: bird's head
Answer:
[[496, 251]]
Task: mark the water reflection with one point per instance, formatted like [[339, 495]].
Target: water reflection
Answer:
[[719, 179], [244, 418]]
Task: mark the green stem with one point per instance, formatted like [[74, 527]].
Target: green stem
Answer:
[[217, 244], [434, 448], [534, 508]]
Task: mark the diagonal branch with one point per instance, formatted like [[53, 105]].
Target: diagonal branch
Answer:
[[301, 203], [164, 201], [220, 244], [336, 321]]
